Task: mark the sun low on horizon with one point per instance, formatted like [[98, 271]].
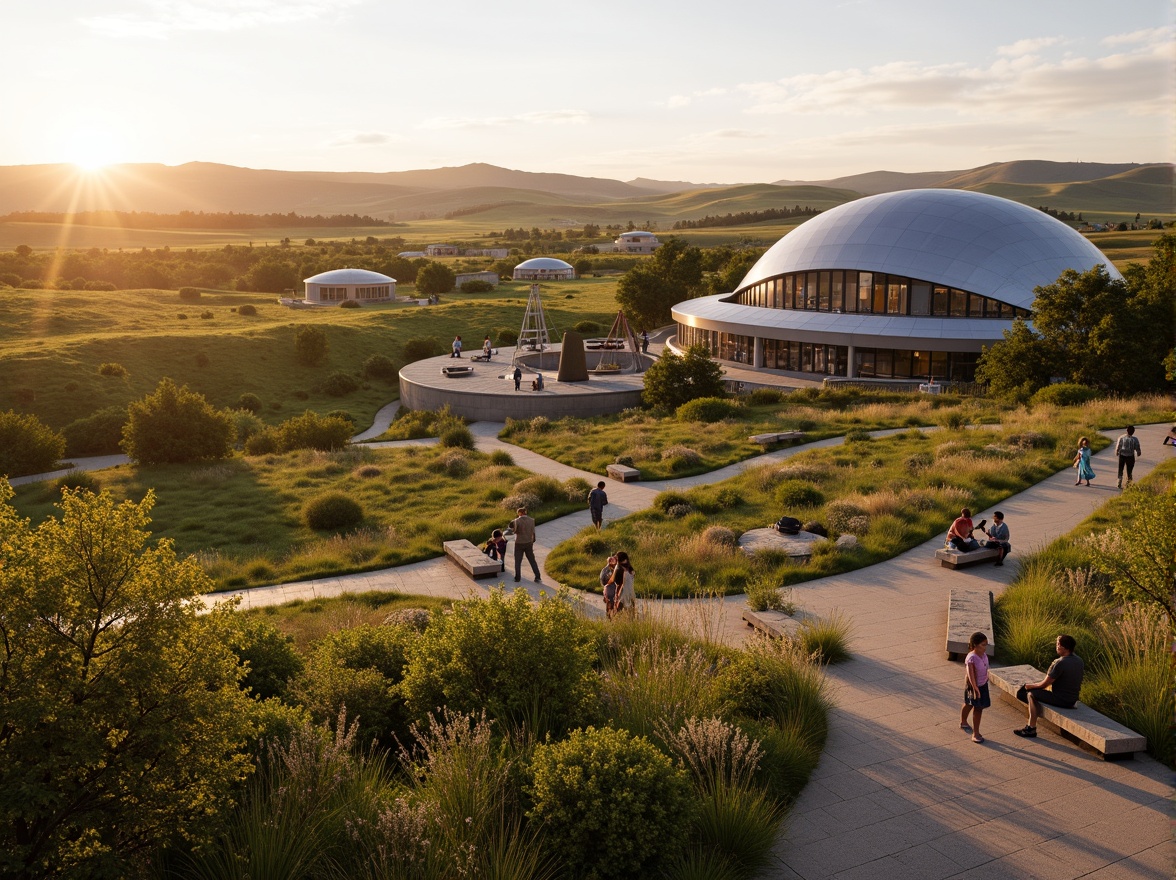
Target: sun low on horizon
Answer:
[[91, 150]]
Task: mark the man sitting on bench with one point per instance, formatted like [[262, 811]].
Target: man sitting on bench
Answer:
[[998, 537], [1060, 687], [959, 535]]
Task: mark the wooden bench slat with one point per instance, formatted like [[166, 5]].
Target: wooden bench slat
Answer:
[[1108, 737]]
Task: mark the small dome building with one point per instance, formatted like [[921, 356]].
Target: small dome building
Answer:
[[544, 269], [906, 285], [637, 242], [338, 285]]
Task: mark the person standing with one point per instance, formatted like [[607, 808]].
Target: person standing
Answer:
[[518, 378], [487, 348], [622, 576], [609, 588], [998, 537], [597, 498], [1127, 448], [1060, 687], [456, 347], [1082, 462], [644, 341], [523, 529], [976, 697]]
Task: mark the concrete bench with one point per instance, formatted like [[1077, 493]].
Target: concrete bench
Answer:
[[773, 623], [457, 372], [623, 472], [776, 437], [969, 611], [1109, 738], [476, 563], [950, 557]]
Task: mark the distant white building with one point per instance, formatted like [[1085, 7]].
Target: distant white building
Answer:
[[411, 254], [463, 277], [339, 285], [441, 250], [637, 242], [494, 253], [544, 269]]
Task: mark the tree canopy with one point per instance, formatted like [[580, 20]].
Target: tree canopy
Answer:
[[673, 380], [1092, 329], [173, 424], [435, 278], [121, 722], [650, 289]]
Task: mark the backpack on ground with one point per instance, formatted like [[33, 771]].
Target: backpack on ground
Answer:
[[788, 525]]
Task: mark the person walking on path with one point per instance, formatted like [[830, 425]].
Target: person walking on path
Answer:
[[609, 588], [1082, 462], [1060, 687], [1127, 448], [976, 698], [523, 529], [622, 577], [518, 378], [456, 347], [998, 537], [644, 341], [597, 498]]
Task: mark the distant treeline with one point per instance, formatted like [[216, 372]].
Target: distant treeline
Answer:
[[745, 217], [193, 219], [1067, 216]]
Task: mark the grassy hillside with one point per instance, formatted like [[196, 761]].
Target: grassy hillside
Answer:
[[55, 341]]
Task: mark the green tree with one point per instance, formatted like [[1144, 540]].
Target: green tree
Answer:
[[27, 445], [434, 277], [1018, 366], [673, 380], [174, 424], [272, 276], [1140, 558], [310, 345], [121, 723], [650, 289]]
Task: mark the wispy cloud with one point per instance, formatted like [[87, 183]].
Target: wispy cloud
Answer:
[[364, 138], [675, 102], [157, 19], [1030, 46], [1138, 80], [538, 117]]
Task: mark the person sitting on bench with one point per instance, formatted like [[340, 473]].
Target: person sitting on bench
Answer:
[[998, 537], [960, 533], [1059, 688], [537, 382]]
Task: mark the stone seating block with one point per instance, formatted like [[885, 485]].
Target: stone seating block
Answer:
[[773, 623], [776, 437], [624, 473], [1108, 737], [949, 557], [457, 372], [969, 611], [467, 556]]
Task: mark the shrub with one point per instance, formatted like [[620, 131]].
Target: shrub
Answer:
[[476, 285], [434, 277], [378, 366], [247, 310], [858, 435], [100, 285], [349, 304], [720, 535], [576, 488], [310, 345], [332, 511], [796, 493], [250, 402], [826, 637], [202, 360], [421, 347], [262, 443], [173, 424], [342, 414], [815, 528], [522, 662], [665, 500], [312, 431], [610, 803], [246, 425], [764, 593], [340, 384], [764, 397], [844, 517], [706, 409], [182, 316], [78, 480], [587, 327], [544, 488], [453, 463], [206, 315], [919, 461], [516, 500], [681, 458], [269, 654], [672, 380], [189, 294], [11, 279], [506, 336], [112, 369], [501, 458], [1064, 394], [458, 436], [97, 434]]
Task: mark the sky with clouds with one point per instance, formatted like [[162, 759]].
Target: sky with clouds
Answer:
[[745, 91]]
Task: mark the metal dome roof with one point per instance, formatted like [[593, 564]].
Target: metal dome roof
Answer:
[[349, 276], [968, 240], [543, 263]]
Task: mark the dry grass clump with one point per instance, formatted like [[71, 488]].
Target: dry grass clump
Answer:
[[452, 463], [681, 456], [846, 516], [514, 502], [810, 471], [705, 549], [720, 535], [919, 410], [641, 452], [366, 472]]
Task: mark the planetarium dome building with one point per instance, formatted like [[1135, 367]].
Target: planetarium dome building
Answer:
[[339, 285], [543, 269], [903, 285]]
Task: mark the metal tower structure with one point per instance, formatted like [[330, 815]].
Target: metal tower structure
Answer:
[[622, 340], [533, 335]]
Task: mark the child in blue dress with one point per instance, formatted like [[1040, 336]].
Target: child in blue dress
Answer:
[[1082, 462]]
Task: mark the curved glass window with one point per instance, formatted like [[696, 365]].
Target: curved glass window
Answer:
[[873, 293]]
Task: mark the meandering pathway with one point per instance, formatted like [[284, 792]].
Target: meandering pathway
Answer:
[[900, 791]]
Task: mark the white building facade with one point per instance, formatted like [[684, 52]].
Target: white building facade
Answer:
[[906, 285], [636, 242], [544, 269], [339, 285]]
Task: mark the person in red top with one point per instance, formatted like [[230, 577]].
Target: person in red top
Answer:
[[960, 533]]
